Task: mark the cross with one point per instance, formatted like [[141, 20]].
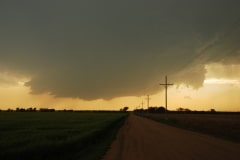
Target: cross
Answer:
[[148, 99], [166, 84], [142, 104]]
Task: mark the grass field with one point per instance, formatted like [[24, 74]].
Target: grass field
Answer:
[[57, 135], [226, 126]]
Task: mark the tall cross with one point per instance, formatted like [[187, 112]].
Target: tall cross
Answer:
[[166, 84]]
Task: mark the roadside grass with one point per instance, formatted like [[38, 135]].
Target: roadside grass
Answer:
[[225, 126], [57, 135]]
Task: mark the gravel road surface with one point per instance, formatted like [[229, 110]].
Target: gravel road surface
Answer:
[[144, 139]]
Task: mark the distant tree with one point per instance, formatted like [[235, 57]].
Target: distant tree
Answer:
[[180, 109], [212, 110], [124, 109], [161, 110], [183, 109], [21, 110], [152, 109], [9, 110], [68, 110], [31, 109], [156, 109], [46, 110], [187, 110]]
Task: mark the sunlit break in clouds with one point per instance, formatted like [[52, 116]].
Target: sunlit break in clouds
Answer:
[[221, 81], [96, 53]]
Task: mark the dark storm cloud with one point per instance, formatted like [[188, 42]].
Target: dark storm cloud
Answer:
[[94, 49]]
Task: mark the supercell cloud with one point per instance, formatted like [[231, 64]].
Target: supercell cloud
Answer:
[[93, 49]]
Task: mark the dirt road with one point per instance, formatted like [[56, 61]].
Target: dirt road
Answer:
[[144, 139]]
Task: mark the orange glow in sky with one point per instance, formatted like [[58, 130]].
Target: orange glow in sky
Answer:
[[218, 93]]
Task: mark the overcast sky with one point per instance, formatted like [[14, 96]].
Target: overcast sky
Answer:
[[92, 49]]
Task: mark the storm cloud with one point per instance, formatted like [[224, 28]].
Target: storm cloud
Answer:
[[93, 49]]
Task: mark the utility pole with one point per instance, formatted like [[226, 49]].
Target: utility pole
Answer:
[[166, 84], [148, 99], [142, 104]]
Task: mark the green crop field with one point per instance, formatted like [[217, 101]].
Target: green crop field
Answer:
[[57, 135]]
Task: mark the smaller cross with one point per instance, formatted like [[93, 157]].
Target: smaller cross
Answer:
[[142, 104], [148, 99]]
